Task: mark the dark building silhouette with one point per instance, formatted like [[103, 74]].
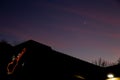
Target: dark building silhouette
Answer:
[[37, 61], [6, 51]]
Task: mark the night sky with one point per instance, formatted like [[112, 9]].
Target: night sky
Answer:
[[85, 29]]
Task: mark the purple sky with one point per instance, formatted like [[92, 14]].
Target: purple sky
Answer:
[[85, 29]]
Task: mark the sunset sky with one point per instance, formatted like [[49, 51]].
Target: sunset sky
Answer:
[[85, 29]]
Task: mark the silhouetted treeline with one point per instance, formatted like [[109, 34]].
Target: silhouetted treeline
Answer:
[[101, 62]]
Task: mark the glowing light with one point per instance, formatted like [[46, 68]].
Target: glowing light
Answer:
[[22, 64], [14, 62], [13, 57], [117, 78], [110, 75], [78, 76]]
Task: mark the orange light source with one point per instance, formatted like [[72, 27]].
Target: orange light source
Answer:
[[14, 62]]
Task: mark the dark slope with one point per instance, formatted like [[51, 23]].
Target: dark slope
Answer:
[[41, 62]]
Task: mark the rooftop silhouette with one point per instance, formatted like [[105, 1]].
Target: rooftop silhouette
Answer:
[[32, 60]]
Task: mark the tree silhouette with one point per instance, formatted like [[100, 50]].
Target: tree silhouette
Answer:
[[118, 61], [102, 63]]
